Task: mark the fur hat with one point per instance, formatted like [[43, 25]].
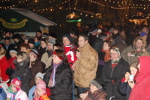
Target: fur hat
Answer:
[[22, 55], [96, 83], [16, 82], [69, 37]]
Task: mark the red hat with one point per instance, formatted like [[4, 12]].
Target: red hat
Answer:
[[16, 82], [55, 53]]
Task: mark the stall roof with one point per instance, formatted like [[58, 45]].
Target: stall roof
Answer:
[[34, 16]]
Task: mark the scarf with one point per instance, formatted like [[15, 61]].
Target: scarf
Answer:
[[52, 81], [114, 63], [107, 55]]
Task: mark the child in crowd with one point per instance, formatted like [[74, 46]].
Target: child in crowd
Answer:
[[39, 77], [15, 92], [94, 93], [40, 92], [12, 66], [127, 83]]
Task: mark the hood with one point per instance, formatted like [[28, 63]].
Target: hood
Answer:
[[144, 70]]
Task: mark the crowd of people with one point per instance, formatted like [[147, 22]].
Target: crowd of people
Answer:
[[101, 64]]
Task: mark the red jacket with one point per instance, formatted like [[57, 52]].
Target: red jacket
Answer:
[[11, 63], [3, 66], [141, 90], [70, 53]]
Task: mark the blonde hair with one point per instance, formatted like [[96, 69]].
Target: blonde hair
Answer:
[[139, 38], [2, 50]]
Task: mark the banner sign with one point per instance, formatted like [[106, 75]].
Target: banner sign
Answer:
[[13, 25]]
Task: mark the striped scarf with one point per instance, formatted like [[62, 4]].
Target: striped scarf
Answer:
[[52, 77]]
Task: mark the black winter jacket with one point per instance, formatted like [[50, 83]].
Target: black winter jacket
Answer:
[[63, 78], [24, 73], [116, 74]]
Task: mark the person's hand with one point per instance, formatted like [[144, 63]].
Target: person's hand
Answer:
[[131, 84], [143, 50], [50, 84], [78, 54], [73, 66], [127, 76], [83, 95], [129, 54]]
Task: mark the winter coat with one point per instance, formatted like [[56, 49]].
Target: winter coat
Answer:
[[22, 71], [120, 45], [70, 53], [86, 66], [36, 66], [21, 95], [3, 66], [44, 97], [112, 77], [63, 78], [97, 95], [11, 63], [10, 47], [141, 89], [124, 89], [134, 55], [46, 60]]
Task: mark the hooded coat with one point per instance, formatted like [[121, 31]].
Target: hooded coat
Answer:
[[24, 73], [141, 90]]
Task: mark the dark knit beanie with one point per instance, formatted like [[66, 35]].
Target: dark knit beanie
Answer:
[[96, 83], [31, 40], [69, 37]]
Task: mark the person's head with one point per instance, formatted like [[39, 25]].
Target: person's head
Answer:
[[39, 77], [33, 54], [67, 40], [139, 42], [50, 45], [40, 89], [134, 68], [145, 29], [37, 39], [95, 85], [143, 35], [114, 53], [116, 30], [7, 41], [25, 47], [16, 37], [43, 43], [13, 53], [72, 33], [26, 39], [15, 85], [107, 45], [83, 40], [2, 50], [45, 36], [58, 46], [58, 56], [7, 34], [31, 43], [38, 33], [21, 56]]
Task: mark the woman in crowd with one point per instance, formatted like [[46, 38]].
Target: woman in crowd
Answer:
[[141, 89], [46, 57], [132, 52], [126, 85], [35, 65], [113, 72], [22, 70], [59, 77], [3, 64]]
